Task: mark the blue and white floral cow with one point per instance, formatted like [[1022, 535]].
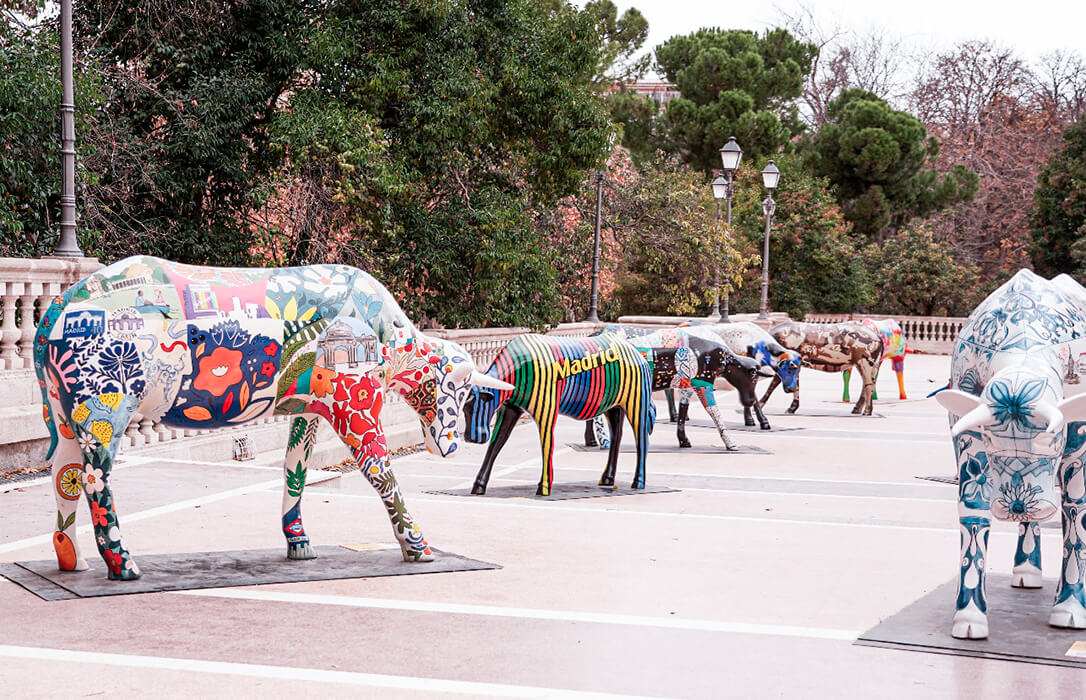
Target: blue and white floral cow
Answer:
[[1018, 419]]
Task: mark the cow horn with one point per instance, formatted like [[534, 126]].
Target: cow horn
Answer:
[[480, 379], [981, 415], [1053, 414]]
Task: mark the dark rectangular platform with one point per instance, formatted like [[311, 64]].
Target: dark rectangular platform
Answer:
[[1017, 620], [708, 424], [194, 570], [843, 412], [560, 491], [672, 446]]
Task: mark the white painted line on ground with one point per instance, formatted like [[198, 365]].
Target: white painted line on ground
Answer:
[[525, 503], [530, 613], [291, 673], [797, 479], [749, 492], [151, 512], [228, 463], [534, 461]]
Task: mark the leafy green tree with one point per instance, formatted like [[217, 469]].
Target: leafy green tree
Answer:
[[733, 83], [814, 263], [635, 115], [875, 156], [30, 135], [622, 38], [1059, 221], [915, 274]]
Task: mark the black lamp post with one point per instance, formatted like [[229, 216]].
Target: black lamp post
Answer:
[[770, 178], [594, 299], [68, 247], [730, 155]]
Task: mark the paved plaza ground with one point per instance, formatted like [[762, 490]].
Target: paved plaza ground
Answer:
[[752, 581]]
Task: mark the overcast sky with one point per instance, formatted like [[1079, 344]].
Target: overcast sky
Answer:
[[1031, 28]]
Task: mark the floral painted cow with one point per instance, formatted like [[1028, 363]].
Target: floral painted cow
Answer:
[[895, 348], [832, 347], [203, 347], [1018, 418]]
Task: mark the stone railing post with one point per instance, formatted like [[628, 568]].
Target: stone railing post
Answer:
[[10, 335]]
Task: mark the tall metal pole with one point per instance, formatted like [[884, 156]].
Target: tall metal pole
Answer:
[[714, 315], [728, 220], [68, 246], [768, 207], [593, 305]]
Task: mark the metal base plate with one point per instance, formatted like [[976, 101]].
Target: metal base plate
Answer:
[[188, 571], [673, 448], [1017, 620], [559, 491]]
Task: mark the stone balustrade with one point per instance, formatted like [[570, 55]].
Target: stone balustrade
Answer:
[[27, 287], [929, 334]]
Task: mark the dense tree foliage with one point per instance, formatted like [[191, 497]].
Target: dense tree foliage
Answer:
[[814, 265], [1060, 218], [733, 83], [875, 156], [622, 36], [915, 274]]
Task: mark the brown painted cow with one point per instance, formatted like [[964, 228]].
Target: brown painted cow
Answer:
[[832, 347]]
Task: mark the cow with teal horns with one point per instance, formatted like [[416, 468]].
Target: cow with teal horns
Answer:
[[1018, 418]]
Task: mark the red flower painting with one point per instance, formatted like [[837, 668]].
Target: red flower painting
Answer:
[[219, 371]]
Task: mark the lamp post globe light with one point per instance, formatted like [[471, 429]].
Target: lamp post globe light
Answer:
[[770, 178], [730, 155]]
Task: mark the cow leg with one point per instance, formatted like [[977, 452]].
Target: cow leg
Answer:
[[590, 434], [794, 406], [708, 402], [672, 414], [847, 375], [1027, 557], [684, 414], [866, 402], [546, 443], [748, 418], [378, 472], [507, 420], [1069, 609], [898, 364], [67, 471], [641, 420], [974, 518], [875, 384], [772, 385], [303, 434], [99, 424], [614, 422]]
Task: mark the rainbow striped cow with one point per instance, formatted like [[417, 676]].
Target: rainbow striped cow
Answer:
[[577, 377], [893, 341]]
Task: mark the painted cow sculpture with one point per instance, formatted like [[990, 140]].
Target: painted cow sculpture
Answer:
[[1018, 418], [684, 359], [894, 349], [577, 377], [750, 340], [832, 347], [204, 347]]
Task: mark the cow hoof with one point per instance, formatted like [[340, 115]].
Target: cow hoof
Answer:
[[792, 409], [1026, 576], [126, 574], [604, 481], [540, 491], [684, 443], [301, 551], [766, 426], [749, 422], [591, 442], [605, 444], [1069, 614], [478, 490], [970, 624], [413, 555]]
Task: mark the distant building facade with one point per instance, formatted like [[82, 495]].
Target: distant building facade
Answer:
[[659, 90]]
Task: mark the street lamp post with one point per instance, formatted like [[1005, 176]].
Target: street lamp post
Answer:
[[770, 178], [68, 247], [730, 155], [593, 305]]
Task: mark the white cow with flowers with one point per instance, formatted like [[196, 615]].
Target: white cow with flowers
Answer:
[[1018, 416]]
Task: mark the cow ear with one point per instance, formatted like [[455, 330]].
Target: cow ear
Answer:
[[1073, 408], [957, 402]]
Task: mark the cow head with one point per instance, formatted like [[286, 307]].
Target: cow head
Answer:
[[1020, 417], [785, 363], [434, 377], [478, 413]]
